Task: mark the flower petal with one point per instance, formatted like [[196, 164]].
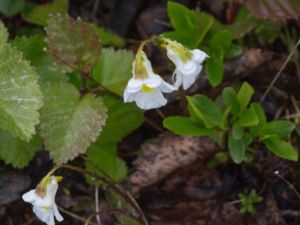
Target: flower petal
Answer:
[[129, 96], [134, 85], [187, 81], [29, 196], [167, 88], [150, 100], [57, 214], [44, 215], [174, 57], [190, 68], [147, 63], [153, 81], [198, 55]]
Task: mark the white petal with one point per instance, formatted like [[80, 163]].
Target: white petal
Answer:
[[134, 85], [52, 188], [190, 68], [153, 81], [174, 57], [129, 96], [187, 81], [167, 88], [198, 55], [30, 196], [58, 216], [147, 63], [44, 215], [150, 100]]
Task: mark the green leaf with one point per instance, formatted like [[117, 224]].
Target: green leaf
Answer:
[[190, 26], [259, 112], [104, 157], [237, 131], [122, 119], [244, 96], [16, 152], [230, 100], [221, 40], [3, 34], [11, 7], [109, 38], [73, 44], [215, 71], [114, 70], [185, 126], [32, 48], [20, 95], [237, 149], [248, 118], [281, 148], [69, 125], [206, 110], [38, 14], [281, 128]]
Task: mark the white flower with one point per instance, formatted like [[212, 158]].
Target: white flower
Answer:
[[43, 201], [188, 63], [146, 87]]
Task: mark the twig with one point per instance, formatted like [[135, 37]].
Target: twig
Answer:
[[287, 182], [74, 215], [290, 212], [97, 205], [280, 71], [154, 125]]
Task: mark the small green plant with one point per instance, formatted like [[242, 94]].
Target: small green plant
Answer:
[[248, 201], [234, 124]]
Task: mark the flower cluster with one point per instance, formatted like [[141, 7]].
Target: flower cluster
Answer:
[[43, 200], [145, 88]]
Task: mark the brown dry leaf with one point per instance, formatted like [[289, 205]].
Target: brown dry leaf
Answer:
[[164, 155]]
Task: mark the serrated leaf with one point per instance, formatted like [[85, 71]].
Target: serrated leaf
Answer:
[[185, 126], [69, 125], [244, 96], [20, 95], [38, 14], [105, 158], [11, 7], [3, 34], [32, 48], [16, 152], [73, 44], [114, 70], [281, 148]]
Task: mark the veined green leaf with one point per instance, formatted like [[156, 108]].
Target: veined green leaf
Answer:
[[69, 125]]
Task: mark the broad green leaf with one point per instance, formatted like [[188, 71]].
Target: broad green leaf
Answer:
[[11, 7], [122, 119], [221, 40], [16, 152], [69, 124], [237, 149], [38, 14], [73, 44], [114, 70], [206, 110], [230, 100], [185, 126], [248, 118], [268, 30], [244, 96], [109, 38], [281, 128], [20, 95], [237, 131], [281, 148], [190, 26], [214, 68], [259, 112], [104, 159], [32, 49]]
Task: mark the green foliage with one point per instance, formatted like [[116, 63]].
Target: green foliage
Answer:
[[3, 35], [122, 120], [16, 152], [73, 44], [69, 124], [11, 7], [38, 14], [21, 97], [109, 38], [248, 201], [233, 122], [190, 26], [113, 70]]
